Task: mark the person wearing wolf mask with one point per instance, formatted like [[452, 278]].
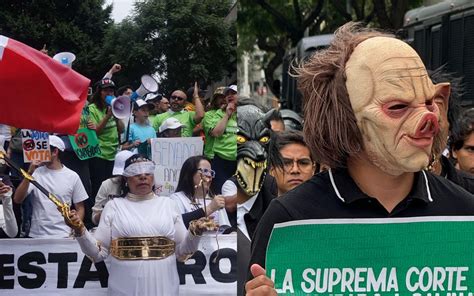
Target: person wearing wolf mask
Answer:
[[255, 189], [371, 117]]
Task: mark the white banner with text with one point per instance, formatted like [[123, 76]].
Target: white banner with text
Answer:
[[58, 267]]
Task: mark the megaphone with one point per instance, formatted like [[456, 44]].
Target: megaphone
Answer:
[[121, 106], [149, 85], [65, 58]]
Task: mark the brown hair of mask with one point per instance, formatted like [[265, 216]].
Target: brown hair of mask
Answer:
[[330, 127]]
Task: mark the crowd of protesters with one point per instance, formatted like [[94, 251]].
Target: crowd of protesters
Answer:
[[207, 186]]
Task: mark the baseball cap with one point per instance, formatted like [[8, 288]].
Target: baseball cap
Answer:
[[56, 141], [170, 123], [119, 162], [153, 97], [232, 87], [105, 83], [219, 91], [140, 103]]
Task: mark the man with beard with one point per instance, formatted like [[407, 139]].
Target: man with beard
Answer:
[[188, 118], [371, 116], [46, 220]]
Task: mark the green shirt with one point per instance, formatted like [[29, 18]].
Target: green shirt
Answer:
[[209, 143], [151, 118], [224, 146], [108, 139], [183, 116]]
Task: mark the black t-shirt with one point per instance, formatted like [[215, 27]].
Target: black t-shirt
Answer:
[[323, 198]]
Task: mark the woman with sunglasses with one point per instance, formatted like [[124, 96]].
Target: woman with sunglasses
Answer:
[[193, 186]]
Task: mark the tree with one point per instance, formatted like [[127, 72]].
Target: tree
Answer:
[[189, 40], [276, 26], [126, 44], [77, 26]]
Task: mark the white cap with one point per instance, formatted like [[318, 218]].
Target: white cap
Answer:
[[119, 162], [140, 103], [170, 123], [232, 87], [56, 141], [152, 96]]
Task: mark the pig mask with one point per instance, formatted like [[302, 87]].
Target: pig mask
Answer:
[[394, 103]]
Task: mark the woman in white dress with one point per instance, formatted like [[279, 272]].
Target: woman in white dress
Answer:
[[193, 185], [143, 232]]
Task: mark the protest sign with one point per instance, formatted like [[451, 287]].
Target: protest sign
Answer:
[[35, 145], [169, 155], [85, 143], [373, 257], [48, 267]]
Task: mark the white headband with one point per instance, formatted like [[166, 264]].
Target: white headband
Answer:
[[138, 168]]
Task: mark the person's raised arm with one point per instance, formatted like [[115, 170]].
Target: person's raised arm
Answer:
[[115, 68], [199, 115], [219, 129]]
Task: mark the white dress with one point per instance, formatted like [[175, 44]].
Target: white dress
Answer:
[[125, 217]]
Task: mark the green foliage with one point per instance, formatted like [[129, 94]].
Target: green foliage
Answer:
[[278, 25], [182, 40], [190, 40], [77, 26]]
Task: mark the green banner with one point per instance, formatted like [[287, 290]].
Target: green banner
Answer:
[[425, 256], [85, 143]]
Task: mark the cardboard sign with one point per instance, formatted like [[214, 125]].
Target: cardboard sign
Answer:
[[169, 155], [85, 143], [373, 257], [35, 145], [58, 267]]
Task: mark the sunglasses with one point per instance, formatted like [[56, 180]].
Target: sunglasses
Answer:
[[207, 172], [177, 98]]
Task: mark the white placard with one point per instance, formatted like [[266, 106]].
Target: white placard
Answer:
[[169, 155]]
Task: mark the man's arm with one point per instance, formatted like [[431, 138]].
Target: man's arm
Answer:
[[22, 190], [199, 115]]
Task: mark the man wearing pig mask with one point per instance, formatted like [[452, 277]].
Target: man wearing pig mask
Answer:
[[371, 117]]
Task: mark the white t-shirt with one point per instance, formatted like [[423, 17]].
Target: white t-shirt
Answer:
[[109, 189], [186, 206], [229, 188], [46, 220]]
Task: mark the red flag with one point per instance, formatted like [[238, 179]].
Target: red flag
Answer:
[[38, 92]]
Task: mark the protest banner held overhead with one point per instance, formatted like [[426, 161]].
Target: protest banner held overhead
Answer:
[[404, 256], [35, 145], [169, 155]]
